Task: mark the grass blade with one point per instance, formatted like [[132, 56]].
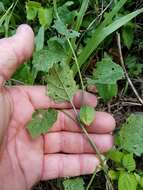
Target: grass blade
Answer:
[[79, 20], [99, 36], [2, 19], [81, 14]]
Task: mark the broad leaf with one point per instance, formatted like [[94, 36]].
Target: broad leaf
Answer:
[[24, 74], [130, 136], [129, 162], [135, 67], [114, 175], [60, 83], [73, 184], [45, 16], [40, 39], [87, 115], [115, 155], [32, 9], [105, 76], [127, 181], [62, 29], [44, 59], [107, 91], [42, 121], [107, 72], [67, 16], [128, 35]]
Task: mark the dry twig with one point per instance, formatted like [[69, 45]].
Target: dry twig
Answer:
[[125, 71]]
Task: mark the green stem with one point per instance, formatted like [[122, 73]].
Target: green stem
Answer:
[[91, 180], [79, 20], [76, 61], [66, 92]]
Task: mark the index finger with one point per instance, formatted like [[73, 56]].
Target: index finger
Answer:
[[39, 100]]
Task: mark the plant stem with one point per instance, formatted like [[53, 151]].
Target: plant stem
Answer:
[[103, 163], [93, 145], [66, 92], [79, 20], [76, 61], [91, 180]]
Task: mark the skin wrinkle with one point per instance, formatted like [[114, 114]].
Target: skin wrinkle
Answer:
[[82, 143], [43, 160], [61, 167], [8, 152], [21, 91], [20, 57], [20, 165], [7, 113], [80, 164], [30, 99], [63, 118], [62, 142], [8, 70]]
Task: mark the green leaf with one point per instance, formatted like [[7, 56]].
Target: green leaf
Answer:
[[24, 74], [105, 77], [107, 72], [115, 155], [113, 175], [87, 115], [32, 9], [42, 121], [60, 83], [81, 14], [134, 66], [129, 162], [127, 181], [107, 92], [67, 16], [62, 29], [73, 184], [45, 16], [100, 34], [141, 182], [44, 59], [128, 35], [40, 39], [131, 134]]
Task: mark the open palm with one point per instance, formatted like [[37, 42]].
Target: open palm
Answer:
[[64, 151]]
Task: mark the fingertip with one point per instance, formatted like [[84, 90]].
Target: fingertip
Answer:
[[104, 122], [25, 34], [84, 98], [24, 28]]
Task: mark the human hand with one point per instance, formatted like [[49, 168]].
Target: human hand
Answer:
[[64, 151]]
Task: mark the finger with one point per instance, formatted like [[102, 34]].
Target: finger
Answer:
[[38, 98], [64, 165], [15, 50], [76, 143], [103, 123]]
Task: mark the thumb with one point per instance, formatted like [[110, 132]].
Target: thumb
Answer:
[[15, 50]]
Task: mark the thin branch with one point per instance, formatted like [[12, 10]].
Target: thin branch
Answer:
[[125, 71], [76, 61]]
